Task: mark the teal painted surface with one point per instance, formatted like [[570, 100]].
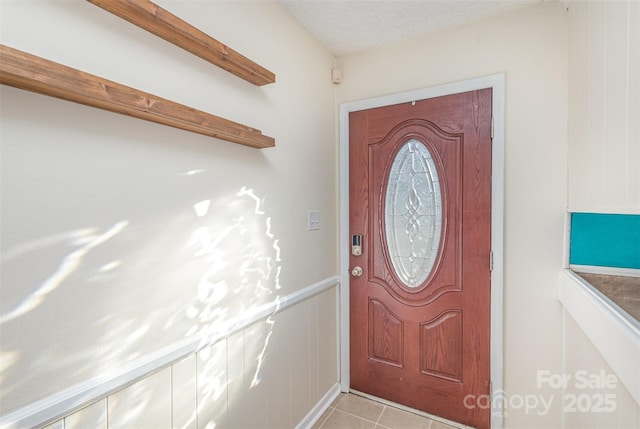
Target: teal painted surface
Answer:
[[606, 240]]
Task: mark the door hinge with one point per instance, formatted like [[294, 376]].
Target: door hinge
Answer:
[[492, 126], [491, 261]]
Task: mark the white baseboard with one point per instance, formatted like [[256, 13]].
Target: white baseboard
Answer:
[[309, 420]]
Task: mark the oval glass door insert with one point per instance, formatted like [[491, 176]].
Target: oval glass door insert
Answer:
[[413, 213]]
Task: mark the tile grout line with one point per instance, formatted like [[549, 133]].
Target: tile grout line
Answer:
[[327, 418], [384, 407], [431, 420], [377, 424], [353, 415], [364, 418], [331, 412]]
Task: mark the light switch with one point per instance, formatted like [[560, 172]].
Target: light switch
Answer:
[[314, 220]]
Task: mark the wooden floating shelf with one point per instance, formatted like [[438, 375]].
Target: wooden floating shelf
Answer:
[[151, 17], [22, 70]]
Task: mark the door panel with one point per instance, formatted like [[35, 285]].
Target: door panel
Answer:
[[421, 338], [386, 334], [442, 337]]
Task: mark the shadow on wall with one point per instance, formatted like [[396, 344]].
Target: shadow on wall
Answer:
[[113, 295]]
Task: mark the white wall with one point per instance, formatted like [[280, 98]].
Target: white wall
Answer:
[[605, 403], [105, 259], [603, 165], [530, 47], [604, 100]]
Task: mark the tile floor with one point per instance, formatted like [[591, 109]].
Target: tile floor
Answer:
[[350, 411]]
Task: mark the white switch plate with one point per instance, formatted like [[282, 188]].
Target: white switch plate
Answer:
[[314, 220]]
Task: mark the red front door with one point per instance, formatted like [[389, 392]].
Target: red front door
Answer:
[[420, 198]]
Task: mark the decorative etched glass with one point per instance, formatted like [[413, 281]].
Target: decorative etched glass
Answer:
[[413, 213]]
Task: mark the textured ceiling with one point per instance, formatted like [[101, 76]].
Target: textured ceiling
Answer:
[[350, 26]]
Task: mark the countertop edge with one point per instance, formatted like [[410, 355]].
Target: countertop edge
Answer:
[[614, 333]]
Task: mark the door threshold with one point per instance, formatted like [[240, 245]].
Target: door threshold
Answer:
[[411, 410]]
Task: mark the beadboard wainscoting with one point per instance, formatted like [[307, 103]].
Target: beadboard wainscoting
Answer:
[[275, 368]]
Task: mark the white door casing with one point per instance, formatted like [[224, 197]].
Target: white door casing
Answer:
[[497, 83]]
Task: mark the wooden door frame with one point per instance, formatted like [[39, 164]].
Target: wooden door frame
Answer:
[[497, 84]]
